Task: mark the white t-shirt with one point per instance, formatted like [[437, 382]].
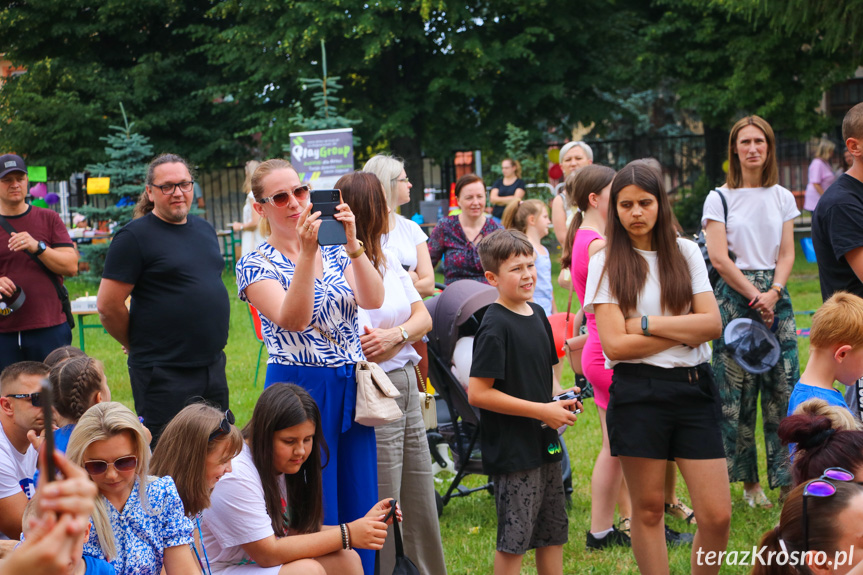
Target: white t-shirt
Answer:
[[250, 239], [403, 240], [755, 218], [16, 469], [399, 295], [237, 514], [649, 302]]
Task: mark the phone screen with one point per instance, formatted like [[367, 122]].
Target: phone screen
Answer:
[[47, 399]]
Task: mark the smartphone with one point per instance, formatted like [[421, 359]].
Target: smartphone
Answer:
[[332, 231], [46, 396]]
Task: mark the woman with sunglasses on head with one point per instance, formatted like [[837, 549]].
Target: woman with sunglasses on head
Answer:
[[195, 450], [821, 441], [138, 524], [266, 516], [753, 217], [308, 297], [387, 336], [820, 529], [655, 313], [403, 236]]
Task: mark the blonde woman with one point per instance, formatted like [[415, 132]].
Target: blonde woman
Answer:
[[403, 236], [251, 235], [821, 174], [138, 524]]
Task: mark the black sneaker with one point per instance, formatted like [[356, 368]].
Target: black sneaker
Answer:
[[675, 538], [616, 537]]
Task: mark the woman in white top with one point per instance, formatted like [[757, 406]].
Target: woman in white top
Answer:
[[251, 219], [266, 515], [404, 237], [655, 313], [573, 155], [387, 336], [759, 230]]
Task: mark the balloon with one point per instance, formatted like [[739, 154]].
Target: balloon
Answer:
[[52, 199], [555, 172], [39, 203], [554, 155], [39, 190]]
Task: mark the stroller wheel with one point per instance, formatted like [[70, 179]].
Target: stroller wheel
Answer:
[[438, 501]]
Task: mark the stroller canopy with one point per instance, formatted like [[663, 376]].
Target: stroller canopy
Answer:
[[453, 307]]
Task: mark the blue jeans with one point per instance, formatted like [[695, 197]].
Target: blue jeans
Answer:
[[32, 344]]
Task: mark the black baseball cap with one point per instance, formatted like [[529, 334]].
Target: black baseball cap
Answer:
[[11, 163]]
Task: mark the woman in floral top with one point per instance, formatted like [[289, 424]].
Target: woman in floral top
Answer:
[[454, 238], [138, 522]]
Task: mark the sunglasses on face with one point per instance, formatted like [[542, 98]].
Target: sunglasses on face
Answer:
[[281, 199], [224, 426], [98, 467], [33, 397], [822, 487]]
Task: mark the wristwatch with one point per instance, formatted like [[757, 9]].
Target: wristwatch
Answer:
[[405, 335], [42, 248]]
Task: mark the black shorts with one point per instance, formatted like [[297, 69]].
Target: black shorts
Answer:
[[664, 413]]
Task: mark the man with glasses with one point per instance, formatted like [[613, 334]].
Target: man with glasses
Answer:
[[176, 328], [35, 253], [20, 411]]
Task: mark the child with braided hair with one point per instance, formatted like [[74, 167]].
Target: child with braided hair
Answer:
[[78, 384]]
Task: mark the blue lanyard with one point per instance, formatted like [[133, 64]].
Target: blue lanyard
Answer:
[[195, 549]]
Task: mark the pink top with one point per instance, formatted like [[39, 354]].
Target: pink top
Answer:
[[819, 173], [592, 360]]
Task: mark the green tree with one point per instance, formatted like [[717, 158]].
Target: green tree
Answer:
[[128, 154], [429, 78], [722, 66], [835, 24], [82, 56]]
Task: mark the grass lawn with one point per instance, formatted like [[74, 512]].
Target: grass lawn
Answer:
[[469, 524]]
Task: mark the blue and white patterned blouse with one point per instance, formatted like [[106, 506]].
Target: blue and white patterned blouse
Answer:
[[142, 538], [335, 310]]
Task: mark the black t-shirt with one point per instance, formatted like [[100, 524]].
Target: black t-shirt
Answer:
[[518, 352], [837, 228], [497, 211], [180, 310]]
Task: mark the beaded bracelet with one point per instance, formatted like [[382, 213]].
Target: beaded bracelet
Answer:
[[346, 539]]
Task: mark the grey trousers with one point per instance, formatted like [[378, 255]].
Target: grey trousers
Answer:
[[404, 473]]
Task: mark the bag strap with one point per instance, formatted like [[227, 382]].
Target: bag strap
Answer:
[[4, 223], [724, 205]]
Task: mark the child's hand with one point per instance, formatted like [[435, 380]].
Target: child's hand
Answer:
[[368, 533], [559, 413]]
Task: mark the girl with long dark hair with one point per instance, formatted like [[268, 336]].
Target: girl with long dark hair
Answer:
[[655, 313], [266, 516]]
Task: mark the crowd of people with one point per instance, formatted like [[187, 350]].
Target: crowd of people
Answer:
[[176, 487]]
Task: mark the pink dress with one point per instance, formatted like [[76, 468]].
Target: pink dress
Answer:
[[592, 360]]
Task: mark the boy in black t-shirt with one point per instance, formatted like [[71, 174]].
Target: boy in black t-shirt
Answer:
[[511, 382]]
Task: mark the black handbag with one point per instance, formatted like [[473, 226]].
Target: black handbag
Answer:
[[701, 240], [61, 290], [404, 566]]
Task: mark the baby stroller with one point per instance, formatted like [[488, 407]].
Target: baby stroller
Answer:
[[456, 312]]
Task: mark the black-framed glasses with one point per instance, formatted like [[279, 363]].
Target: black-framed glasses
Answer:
[[281, 199], [98, 467], [35, 398], [224, 426], [168, 189], [822, 487]]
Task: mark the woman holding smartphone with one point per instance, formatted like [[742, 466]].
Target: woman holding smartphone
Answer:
[[655, 313], [308, 296]]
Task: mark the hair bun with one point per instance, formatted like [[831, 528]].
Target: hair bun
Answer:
[[817, 439], [804, 429]]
